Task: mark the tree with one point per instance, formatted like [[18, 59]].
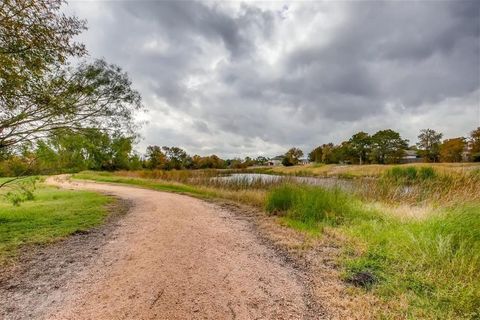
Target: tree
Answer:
[[328, 153], [35, 37], [261, 160], [388, 147], [292, 157], [315, 155], [156, 159], [429, 144], [94, 95], [451, 150], [475, 145], [177, 158], [39, 92], [360, 146], [94, 149]]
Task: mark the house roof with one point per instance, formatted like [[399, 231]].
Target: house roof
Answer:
[[411, 152]]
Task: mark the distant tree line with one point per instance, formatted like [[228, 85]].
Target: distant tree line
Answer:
[[96, 149], [387, 147]]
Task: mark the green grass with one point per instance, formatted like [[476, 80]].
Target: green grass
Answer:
[[51, 215], [433, 264], [410, 174], [316, 206]]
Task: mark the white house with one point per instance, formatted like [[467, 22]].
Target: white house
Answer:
[[275, 161]]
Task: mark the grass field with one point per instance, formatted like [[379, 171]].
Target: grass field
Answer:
[[420, 266], [51, 215]]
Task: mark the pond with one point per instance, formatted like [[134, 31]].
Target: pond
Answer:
[[253, 178]]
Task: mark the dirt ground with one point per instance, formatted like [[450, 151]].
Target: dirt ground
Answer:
[[176, 257]]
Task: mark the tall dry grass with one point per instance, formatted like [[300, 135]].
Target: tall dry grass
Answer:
[[421, 186]]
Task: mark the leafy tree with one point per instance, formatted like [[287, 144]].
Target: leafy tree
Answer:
[[328, 153], [316, 155], [429, 144], [451, 150], [121, 151], [360, 145], [94, 95], [156, 159], [248, 161], [475, 145], [236, 163], [136, 162], [93, 149], [35, 37], [261, 160], [292, 157], [210, 162], [388, 147], [40, 92], [177, 157]]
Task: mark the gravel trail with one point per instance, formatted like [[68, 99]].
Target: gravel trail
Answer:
[[177, 257]]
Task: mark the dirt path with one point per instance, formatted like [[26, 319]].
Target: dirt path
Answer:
[[176, 257]]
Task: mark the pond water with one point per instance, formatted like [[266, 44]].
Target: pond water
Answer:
[[251, 178]]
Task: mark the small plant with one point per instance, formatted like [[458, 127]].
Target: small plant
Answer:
[[21, 191]]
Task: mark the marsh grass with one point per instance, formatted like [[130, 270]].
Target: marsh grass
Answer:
[[420, 186]]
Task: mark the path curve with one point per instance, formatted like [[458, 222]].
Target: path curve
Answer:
[[177, 257]]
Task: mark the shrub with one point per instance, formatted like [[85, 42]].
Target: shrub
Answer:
[[426, 173], [409, 174], [314, 205], [281, 199]]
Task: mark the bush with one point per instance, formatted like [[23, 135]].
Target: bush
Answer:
[[409, 175], [281, 199], [314, 205], [475, 157], [426, 173]]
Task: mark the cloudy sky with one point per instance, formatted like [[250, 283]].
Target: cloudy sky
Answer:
[[255, 78]]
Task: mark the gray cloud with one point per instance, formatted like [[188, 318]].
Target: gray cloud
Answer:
[[257, 78]]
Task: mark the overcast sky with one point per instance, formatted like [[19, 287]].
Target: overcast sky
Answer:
[[255, 78]]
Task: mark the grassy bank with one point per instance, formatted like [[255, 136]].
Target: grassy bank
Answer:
[[49, 216], [420, 267]]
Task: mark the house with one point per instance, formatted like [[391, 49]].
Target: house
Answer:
[[411, 156], [467, 152], [303, 161], [275, 161]]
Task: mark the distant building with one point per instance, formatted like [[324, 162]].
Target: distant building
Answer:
[[411, 156], [275, 161], [303, 161], [467, 151]]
